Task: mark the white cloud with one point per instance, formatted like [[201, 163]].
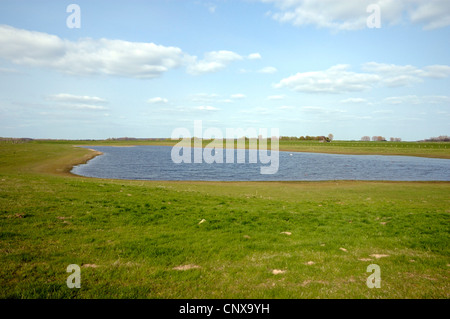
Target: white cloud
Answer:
[[275, 97], [8, 71], [104, 56], [87, 107], [206, 108], [254, 56], [354, 100], [238, 96], [401, 80], [392, 69], [77, 102], [403, 75], [157, 100], [313, 109], [212, 8], [29, 47], [286, 107], [212, 62], [383, 112], [340, 15], [432, 14], [437, 71], [438, 99], [336, 79], [187, 109], [416, 100], [411, 99], [70, 98], [319, 110], [87, 56], [352, 15], [268, 69], [395, 75]]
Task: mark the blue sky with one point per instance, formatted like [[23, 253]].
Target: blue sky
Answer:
[[145, 68]]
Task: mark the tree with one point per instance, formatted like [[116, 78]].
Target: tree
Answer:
[[365, 138], [442, 138], [330, 137]]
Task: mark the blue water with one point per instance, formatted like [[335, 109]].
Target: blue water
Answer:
[[155, 163]]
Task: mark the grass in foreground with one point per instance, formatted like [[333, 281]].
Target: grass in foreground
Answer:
[[129, 237]]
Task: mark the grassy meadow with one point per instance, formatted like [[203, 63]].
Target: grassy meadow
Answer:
[[161, 239]]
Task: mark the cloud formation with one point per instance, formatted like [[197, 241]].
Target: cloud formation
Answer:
[[354, 100], [275, 97], [417, 100], [336, 79], [268, 70], [402, 75], [70, 98], [212, 62], [157, 100], [87, 56], [80, 102], [104, 56], [206, 108], [339, 78], [238, 96], [254, 56], [352, 14]]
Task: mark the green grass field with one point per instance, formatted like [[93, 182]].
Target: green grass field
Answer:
[[145, 239]]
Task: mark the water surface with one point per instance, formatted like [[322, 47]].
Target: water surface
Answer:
[[155, 163]]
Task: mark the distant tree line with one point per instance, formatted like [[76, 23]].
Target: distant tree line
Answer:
[[380, 139], [322, 138], [136, 139], [374, 138], [12, 140], [442, 138]]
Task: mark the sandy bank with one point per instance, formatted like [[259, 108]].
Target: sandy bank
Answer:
[[64, 164], [78, 161]]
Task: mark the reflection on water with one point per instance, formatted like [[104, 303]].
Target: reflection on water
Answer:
[[155, 163]]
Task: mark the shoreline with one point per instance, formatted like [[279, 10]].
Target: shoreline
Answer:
[[94, 153], [66, 170]]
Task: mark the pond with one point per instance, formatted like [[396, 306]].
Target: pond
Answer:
[[155, 163]]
